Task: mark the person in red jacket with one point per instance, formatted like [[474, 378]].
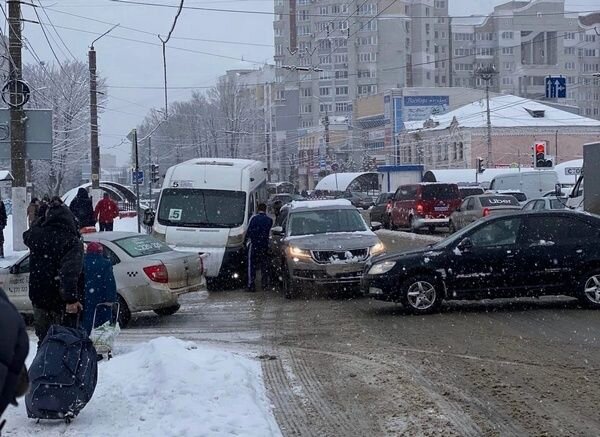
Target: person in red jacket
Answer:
[[106, 212]]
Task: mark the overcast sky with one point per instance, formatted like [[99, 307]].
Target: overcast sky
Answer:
[[135, 64]]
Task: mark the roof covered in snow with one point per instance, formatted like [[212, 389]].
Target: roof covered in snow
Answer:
[[5, 175], [341, 181], [512, 111], [467, 175], [333, 203]]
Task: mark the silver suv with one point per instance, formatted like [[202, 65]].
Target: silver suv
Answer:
[[321, 242]]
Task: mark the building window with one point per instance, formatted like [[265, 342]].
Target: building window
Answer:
[[507, 35], [326, 107], [343, 107], [280, 95], [324, 59], [306, 92], [306, 108], [324, 91], [341, 74], [507, 50], [461, 151], [341, 91]]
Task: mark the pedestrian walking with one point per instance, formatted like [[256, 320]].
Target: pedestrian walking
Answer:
[[33, 210], [3, 223], [106, 212], [100, 286], [55, 265], [257, 242], [14, 347], [277, 209], [82, 209]]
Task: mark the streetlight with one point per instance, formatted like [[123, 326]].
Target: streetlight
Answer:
[[487, 73]]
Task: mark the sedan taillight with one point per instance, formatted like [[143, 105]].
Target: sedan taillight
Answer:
[[486, 212], [157, 273]]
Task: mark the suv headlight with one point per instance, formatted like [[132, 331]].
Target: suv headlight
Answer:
[[377, 249], [381, 268], [296, 252]]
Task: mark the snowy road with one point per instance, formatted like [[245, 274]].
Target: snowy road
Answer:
[[360, 367]]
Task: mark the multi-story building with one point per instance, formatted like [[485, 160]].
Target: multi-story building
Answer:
[[329, 52], [525, 42]]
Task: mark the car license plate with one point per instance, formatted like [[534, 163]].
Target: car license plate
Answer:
[[441, 208], [337, 269]]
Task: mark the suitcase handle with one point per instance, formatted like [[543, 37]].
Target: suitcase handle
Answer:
[[114, 314]]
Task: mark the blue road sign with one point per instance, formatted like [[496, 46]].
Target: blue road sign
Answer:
[[137, 177], [322, 163], [556, 87]]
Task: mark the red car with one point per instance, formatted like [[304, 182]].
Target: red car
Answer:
[[424, 205]]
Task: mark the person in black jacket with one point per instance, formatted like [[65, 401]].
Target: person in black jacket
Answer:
[[14, 347], [82, 209], [3, 221], [56, 264]]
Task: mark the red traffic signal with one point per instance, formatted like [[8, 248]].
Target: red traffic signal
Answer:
[[540, 148]]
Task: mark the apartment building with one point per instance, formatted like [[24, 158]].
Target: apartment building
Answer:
[[525, 42]]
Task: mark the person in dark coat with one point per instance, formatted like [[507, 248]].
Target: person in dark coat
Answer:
[[3, 222], [257, 242], [56, 265], [14, 347], [43, 207], [82, 209], [100, 286]]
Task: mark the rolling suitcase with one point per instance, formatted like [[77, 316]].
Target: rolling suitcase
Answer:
[[63, 375]]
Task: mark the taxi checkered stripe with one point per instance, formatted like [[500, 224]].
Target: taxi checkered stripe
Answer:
[[132, 274]]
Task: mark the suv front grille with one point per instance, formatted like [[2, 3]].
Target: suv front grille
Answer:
[[331, 256]]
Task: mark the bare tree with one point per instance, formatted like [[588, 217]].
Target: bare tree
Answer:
[[65, 90]]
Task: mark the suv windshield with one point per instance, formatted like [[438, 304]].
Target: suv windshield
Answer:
[[202, 208], [324, 221], [142, 245], [440, 192]]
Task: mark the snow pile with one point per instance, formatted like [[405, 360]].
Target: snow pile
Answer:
[[166, 387], [349, 258]]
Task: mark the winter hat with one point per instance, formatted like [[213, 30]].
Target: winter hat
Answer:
[[94, 247]]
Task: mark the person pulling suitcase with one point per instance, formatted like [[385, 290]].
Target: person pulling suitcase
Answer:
[[56, 265]]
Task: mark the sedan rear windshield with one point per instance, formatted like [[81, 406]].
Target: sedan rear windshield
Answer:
[[521, 197], [202, 208], [466, 192], [325, 221], [557, 203], [142, 245], [491, 201], [440, 192]]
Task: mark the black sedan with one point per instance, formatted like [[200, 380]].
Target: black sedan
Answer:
[[521, 254]]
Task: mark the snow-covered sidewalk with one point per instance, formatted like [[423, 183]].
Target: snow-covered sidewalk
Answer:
[[166, 387]]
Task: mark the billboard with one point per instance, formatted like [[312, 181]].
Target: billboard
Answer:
[[398, 121], [418, 108]]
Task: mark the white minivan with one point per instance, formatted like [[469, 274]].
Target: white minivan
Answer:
[[205, 205], [533, 183]]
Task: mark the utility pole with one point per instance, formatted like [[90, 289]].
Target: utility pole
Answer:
[[149, 169], [95, 151], [137, 185], [17, 128], [95, 148], [486, 74], [326, 125]]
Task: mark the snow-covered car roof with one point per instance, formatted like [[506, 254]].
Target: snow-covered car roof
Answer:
[[321, 204]]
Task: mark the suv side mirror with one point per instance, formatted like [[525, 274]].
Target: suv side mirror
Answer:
[[277, 231], [376, 226], [465, 245], [149, 216]]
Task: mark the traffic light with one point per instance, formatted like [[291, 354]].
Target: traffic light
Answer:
[[541, 159], [154, 176], [480, 168]]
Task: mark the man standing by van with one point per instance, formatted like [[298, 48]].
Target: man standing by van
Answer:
[[257, 242]]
